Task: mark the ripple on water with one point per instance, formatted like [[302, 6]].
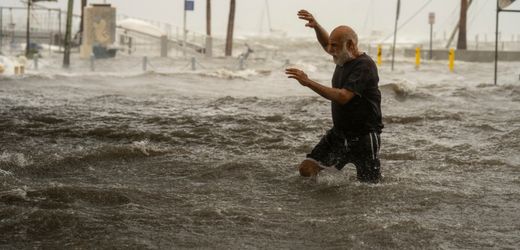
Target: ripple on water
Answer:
[[72, 194]]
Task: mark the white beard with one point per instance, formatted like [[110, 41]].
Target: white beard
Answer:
[[343, 56]]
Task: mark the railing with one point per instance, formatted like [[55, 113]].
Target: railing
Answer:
[[48, 27]]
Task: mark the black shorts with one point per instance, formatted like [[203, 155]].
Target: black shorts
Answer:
[[336, 150]]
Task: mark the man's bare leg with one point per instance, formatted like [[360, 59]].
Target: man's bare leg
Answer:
[[309, 168]]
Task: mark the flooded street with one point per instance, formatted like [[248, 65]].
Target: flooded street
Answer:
[[174, 158]]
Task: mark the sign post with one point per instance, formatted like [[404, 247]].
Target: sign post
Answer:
[[501, 5], [431, 21], [189, 5]]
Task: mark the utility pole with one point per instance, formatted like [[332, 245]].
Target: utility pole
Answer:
[[68, 31], [83, 5], [395, 31], [462, 42], [231, 23], [208, 17], [452, 35], [28, 33], [501, 5], [209, 42]]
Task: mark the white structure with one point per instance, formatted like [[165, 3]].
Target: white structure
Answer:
[[146, 29], [141, 26]]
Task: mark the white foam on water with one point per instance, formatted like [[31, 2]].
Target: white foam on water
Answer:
[[17, 159], [142, 146], [332, 177], [19, 192], [5, 173], [229, 74]]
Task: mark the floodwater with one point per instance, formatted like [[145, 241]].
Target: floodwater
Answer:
[[175, 158]]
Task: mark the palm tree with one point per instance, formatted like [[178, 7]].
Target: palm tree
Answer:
[[231, 23]]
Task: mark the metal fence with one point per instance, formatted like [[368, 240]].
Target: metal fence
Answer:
[[46, 26]]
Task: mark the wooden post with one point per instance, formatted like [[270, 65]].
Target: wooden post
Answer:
[[164, 46], [231, 23], [68, 31]]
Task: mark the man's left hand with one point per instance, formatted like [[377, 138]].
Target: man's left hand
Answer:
[[299, 75]]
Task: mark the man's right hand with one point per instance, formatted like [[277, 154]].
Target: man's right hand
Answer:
[[305, 15]]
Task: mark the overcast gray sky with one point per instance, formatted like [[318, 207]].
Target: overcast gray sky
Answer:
[[363, 15]]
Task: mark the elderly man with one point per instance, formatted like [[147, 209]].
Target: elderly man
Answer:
[[356, 106]]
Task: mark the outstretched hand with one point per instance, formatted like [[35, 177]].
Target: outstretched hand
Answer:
[[305, 15], [298, 75]]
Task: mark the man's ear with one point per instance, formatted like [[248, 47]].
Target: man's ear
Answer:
[[351, 46]]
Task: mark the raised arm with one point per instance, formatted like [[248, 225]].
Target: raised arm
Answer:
[[321, 34]]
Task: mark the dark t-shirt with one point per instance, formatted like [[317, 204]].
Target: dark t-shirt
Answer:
[[362, 114]]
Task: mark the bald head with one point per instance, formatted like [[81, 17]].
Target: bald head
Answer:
[[343, 44], [344, 34]]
